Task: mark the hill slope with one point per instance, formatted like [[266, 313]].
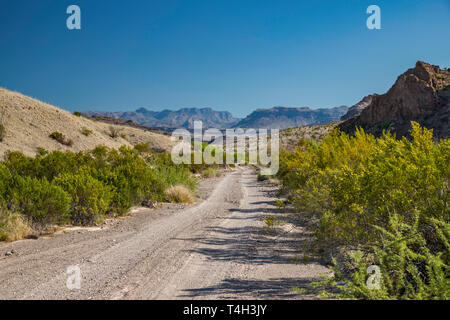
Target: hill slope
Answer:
[[285, 117], [29, 122], [421, 94]]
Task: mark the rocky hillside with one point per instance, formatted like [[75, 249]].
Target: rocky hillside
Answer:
[[356, 110], [421, 94], [26, 125], [285, 117], [183, 118], [291, 137]]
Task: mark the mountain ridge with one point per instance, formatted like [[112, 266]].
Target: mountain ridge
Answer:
[[183, 117], [281, 117], [421, 94], [278, 117]]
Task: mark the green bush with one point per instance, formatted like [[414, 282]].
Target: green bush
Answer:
[[90, 198], [175, 175], [143, 147], [5, 183], [2, 131], [58, 136], [77, 113], [40, 200], [84, 187], [86, 132], [384, 198]]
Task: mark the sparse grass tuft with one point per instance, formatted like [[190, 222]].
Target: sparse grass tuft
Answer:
[[13, 226], [87, 132], [2, 127], [143, 147], [114, 132], [2, 131], [58, 136], [179, 194]]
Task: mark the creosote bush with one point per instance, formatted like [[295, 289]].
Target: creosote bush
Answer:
[[86, 187], [58, 136], [2, 131], [114, 132], [86, 132], [384, 200]]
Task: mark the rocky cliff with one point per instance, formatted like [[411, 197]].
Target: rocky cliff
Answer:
[[421, 94]]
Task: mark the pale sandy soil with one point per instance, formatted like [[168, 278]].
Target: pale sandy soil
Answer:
[[29, 122]]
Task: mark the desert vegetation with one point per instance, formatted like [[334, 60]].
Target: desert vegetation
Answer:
[[58, 188], [84, 188], [61, 138], [2, 126], [86, 131], [376, 201]]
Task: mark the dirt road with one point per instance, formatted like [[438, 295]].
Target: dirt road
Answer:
[[216, 249]]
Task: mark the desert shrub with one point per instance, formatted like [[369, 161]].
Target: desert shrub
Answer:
[[87, 132], [19, 164], [179, 194], [90, 198], [58, 136], [84, 187], [40, 200], [175, 175], [5, 183], [2, 131], [211, 173], [41, 151], [143, 147], [131, 178], [77, 113], [13, 226], [113, 132], [384, 198]]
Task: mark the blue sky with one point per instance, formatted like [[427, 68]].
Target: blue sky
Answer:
[[234, 55]]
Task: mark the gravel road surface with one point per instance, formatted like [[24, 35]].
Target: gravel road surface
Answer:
[[215, 249]]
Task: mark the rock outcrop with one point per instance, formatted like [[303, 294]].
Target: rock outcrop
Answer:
[[356, 109], [421, 94]]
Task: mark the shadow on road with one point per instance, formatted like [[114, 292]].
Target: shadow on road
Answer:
[[279, 288]]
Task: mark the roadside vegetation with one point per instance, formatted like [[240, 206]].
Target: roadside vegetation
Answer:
[[84, 188], [376, 202]]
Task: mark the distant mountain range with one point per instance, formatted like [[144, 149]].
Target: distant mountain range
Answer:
[[274, 118], [287, 117], [182, 118]]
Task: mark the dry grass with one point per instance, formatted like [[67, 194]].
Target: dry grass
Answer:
[[13, 226], [180, 194], [211, 173]]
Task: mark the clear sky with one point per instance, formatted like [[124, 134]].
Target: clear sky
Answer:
[[234, 55]]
